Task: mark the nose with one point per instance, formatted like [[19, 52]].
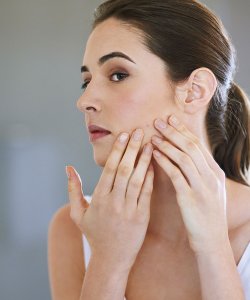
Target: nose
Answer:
[[86, 103]]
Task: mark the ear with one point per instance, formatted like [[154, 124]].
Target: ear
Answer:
[[196, 92]]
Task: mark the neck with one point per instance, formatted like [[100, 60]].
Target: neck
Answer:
[[166, 223], [165, 217], [166, 220]]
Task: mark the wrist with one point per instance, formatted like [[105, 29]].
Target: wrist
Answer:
[[213, 248], [216, 284], [111, 265]]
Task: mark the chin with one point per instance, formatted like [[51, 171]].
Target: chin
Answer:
[[100, 163], [100, 159]]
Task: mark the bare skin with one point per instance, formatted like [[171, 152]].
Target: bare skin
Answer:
[[165, 260], [162, 267], [67, 269]]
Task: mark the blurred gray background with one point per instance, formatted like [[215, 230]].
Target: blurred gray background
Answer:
[[41, 131]]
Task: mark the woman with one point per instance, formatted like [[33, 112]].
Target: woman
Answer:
[[175, 223]]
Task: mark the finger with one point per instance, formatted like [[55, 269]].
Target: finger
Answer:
[[146, 192], [138, 177], [78, 204], [174, 173], [207, 154], [107, 177], [181, 159], [126, 166], [190, 146]]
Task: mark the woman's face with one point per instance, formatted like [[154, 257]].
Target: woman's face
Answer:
[[122, 93]]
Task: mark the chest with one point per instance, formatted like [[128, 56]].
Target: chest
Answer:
[[163, 274], [164, 277]]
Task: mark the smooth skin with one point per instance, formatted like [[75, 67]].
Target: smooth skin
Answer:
[[179, 228], [187, 162], [120, 207]]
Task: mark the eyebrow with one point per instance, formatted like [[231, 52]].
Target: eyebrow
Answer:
[[107, 57]]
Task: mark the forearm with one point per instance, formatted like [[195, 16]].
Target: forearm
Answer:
[[219, 277], [104, 281]]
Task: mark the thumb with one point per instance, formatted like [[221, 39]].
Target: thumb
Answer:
[[76, 198]]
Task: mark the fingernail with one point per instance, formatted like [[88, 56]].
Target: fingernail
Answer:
[[160, 124], [123, 137], [137, 135], [174, 120], [67, 172]]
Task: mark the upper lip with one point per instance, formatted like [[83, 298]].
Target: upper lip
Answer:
[[93, 127]]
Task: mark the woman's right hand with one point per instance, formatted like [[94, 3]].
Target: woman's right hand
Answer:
[[116, 220]]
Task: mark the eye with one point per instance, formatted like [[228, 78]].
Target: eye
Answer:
[[84, 85], [118, 76]]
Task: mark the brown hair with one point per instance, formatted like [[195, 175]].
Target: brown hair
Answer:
[[187, 35]]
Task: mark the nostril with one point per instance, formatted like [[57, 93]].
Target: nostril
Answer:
[[84, 106], [88, 108]]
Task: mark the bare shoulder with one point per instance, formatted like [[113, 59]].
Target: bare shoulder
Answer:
[[65, 256], [244, 194], [239, 202], [239, 209]]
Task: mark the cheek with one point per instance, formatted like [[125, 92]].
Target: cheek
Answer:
[[141, 103], [137, 109], [136, 101], [145, 102]]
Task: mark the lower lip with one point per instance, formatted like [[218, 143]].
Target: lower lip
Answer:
[[97, 135]]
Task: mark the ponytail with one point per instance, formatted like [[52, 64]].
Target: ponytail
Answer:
[[233, 154]]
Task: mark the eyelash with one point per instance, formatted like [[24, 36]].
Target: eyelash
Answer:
[[124, 75]]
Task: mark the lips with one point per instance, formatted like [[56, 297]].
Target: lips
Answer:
[[97, 129]]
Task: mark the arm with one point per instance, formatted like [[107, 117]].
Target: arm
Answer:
[[104, 281], [219, 277], [67, 275], [201, 195], [65, 257]]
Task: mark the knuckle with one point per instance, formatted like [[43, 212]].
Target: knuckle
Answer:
[[196, 141], [110, 168], [170, 131], [124, 170], [184, 159], [70, 188], [175, 174], [117, 146], [133, 145], [182, 128], [191, 146], [148, 192], [165, 146], [136, 183], [145, 158]]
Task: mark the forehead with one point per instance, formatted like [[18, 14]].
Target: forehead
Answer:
[[112, 35]]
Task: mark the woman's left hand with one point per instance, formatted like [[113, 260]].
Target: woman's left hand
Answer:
[[199, 183]]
